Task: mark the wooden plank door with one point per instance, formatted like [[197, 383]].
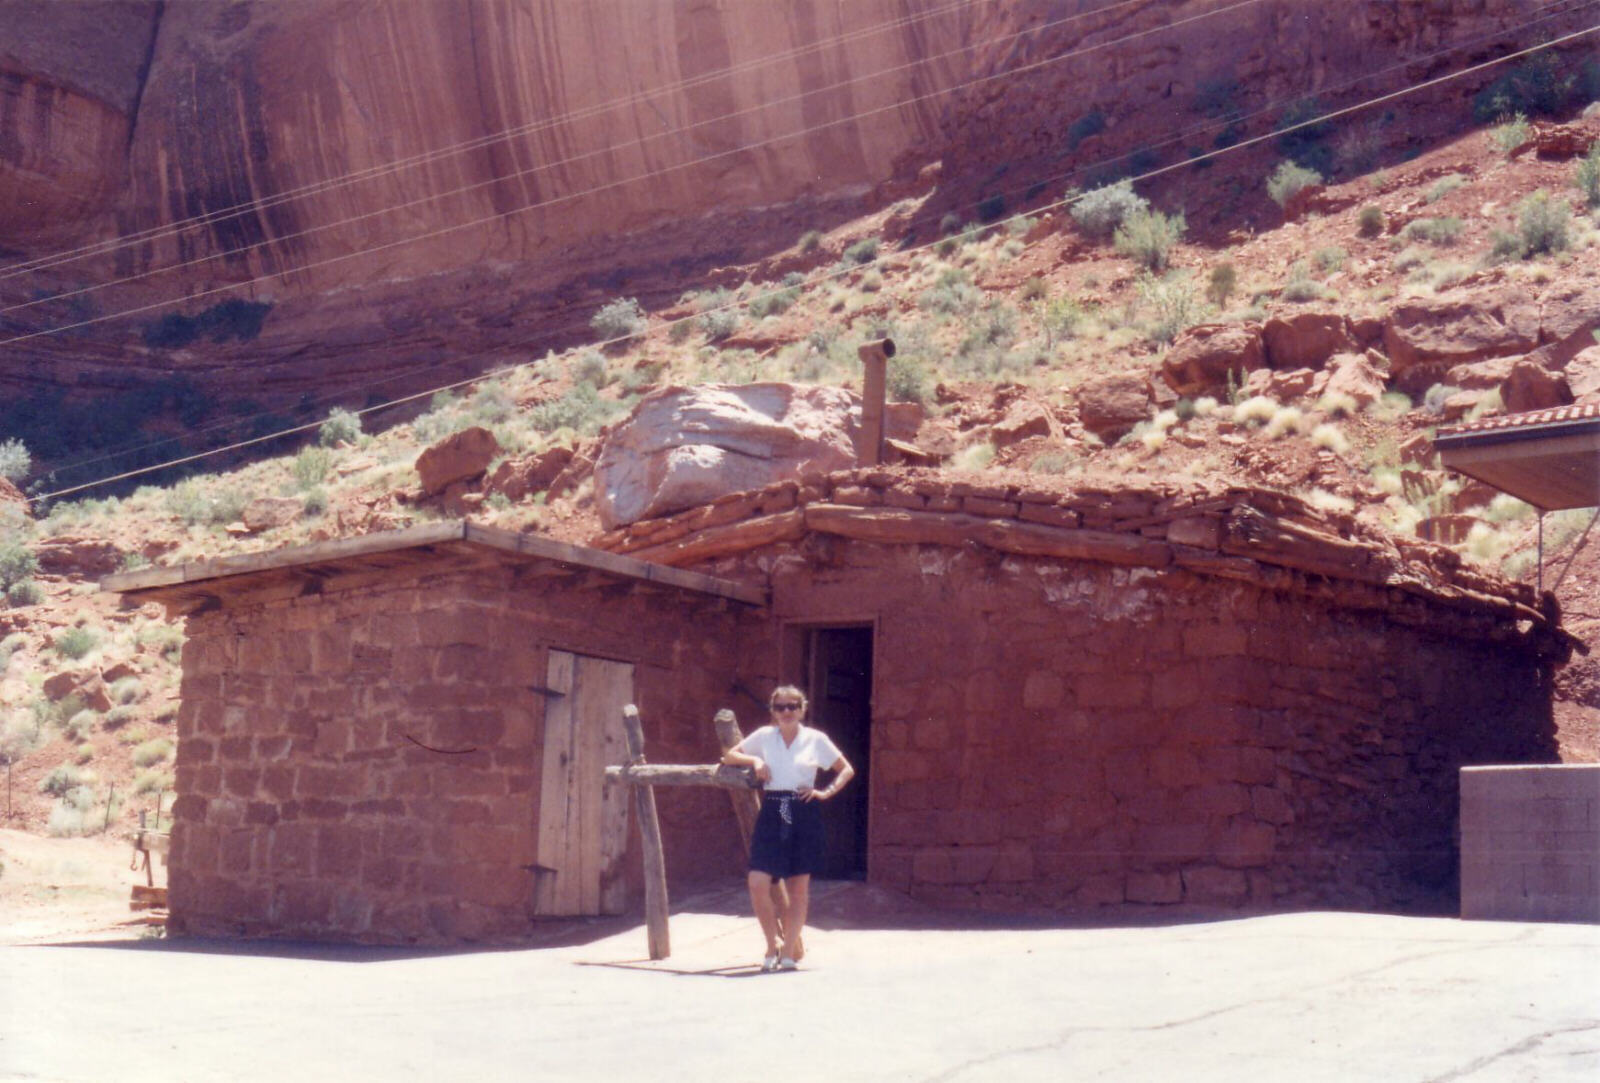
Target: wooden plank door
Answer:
[[583, 824]]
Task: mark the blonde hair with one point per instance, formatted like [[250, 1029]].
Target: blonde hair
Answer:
[[790, 690]]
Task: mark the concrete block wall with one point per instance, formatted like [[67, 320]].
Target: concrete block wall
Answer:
[[1530, 843]]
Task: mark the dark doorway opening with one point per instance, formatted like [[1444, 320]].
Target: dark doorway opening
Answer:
[[838, 681]]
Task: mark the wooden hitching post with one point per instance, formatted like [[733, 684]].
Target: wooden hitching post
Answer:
[[746, 803], [655, 862]]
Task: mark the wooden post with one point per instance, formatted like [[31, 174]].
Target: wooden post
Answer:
[[655, 862], [746, 806]]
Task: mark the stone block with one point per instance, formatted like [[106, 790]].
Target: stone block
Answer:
[[1218, 799], [1175, 767], [1172, 842], [1243, 846], [1104, 889], [1154, 887], [1209, 884], [291, 849]]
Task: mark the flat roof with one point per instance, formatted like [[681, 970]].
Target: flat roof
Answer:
[[308, 567], [1550, 458]]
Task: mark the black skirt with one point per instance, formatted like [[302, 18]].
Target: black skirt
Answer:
[[787, 840]]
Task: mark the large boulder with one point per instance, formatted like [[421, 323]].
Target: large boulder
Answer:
[[521, 478], [1203, 357], [1023, 419], [458, 457], [1424, 338], [1305, 339], [1583, 375], [682, 447], [267, 512], [81, 558], [1111, 406], [1531, 386], [1354, 375]]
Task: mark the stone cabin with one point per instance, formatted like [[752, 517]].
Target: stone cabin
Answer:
[[1202, 698]]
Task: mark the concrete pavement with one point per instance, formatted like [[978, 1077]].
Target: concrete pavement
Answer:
[[1310, 996]]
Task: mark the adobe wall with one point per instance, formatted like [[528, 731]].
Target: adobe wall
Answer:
[[1153, 696], [308, 807], [1530, 843]]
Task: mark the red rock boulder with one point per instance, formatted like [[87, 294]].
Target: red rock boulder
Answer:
[[458, 457], [1024, 419], [1305, 339], [521, 478], [1531, 386], [1202, 358], [1583, 375], [267, 512], [1111, 406], [1424, 338]]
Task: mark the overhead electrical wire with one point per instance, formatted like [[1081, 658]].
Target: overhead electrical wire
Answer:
[[480, 142], [898, 255], [651, 174], [1227, 119]]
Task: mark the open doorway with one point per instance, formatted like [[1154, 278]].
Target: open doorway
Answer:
[[837, 677]]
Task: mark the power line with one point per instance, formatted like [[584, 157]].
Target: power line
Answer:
[[1228, 119], [477, 143], [646, 175], [903, 254]]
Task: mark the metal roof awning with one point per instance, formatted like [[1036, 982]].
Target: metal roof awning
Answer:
[[1549, 458], [309, 569]]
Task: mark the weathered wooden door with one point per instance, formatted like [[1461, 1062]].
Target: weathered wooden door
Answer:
[[583, 824]]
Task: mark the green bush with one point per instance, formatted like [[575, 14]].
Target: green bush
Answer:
[[15, 461], [1370, 222], [342, 427], [153, 752], [952, 294], [76, 642], [1435, 231], [991, 207], [61, 780], [592, 369], [119, 716], [82, 724], [1173, 303], [907, 379], [1537, 85], [619, 320], [1542, 222], [1059, 318], [1586, 177], [1300, 286], [315, 501], [1329, 259], [17, 563], [24, 592], [581, 410], [864, 251], [1147, 237], [772, 301], [1511, 133], [1444, 186], [310, 467], [810, 241], [152, 781], [1101, 211], [1288, 179], [126, 690]]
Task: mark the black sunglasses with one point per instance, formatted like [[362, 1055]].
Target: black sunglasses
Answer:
[[788, 706]]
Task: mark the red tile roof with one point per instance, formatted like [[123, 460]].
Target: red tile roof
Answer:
[[1580, 412]]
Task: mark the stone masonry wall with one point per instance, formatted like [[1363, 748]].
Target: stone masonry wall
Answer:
[[1072, 735], [1530, 843], [308, 806]]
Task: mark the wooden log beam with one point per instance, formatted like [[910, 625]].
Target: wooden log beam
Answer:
[[655, 861], [745, 805], [683, 774], [1006, 535], [720, 541]]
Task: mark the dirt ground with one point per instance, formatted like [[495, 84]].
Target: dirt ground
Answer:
[[69, 889]]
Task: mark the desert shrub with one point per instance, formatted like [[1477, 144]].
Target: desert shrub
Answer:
[[152, 752], [17, 562], [126, 690], [951, 294], [1433, 399], [61, 780], [1091, 123], [1586, 177], [310, 466], [1329, 259], [871, 282], [166, 638], [1304, 143], [342, 427], [152, 781], [1435, 231], [1300, 286], [907, 379], [1537, 85], [1147, 237], [591, 368], [119, 716], [1510, 133], [1174, 305], [492, 404], [1330, 437], [76, 642], [82, 723], [1444, 186], [1059, 318], [1288, 179], [1284, 420], [1099, 212], [581, 410], [1370, 221], [810, 241], [991, 207], [1542, 222], [772, 301], [15, 461], [717, 317], [619, 320], [863, 251], [1220, 284], [1255, 411], [24, 592]]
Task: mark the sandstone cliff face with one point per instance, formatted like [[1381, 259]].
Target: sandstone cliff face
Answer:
[[659, 139]]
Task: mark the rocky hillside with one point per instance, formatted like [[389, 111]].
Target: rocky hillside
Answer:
[[1316, 356]]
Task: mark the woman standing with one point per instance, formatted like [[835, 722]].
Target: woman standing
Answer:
[[787, 842]]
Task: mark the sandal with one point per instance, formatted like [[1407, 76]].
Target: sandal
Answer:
[[787, 963], [770, 963]]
